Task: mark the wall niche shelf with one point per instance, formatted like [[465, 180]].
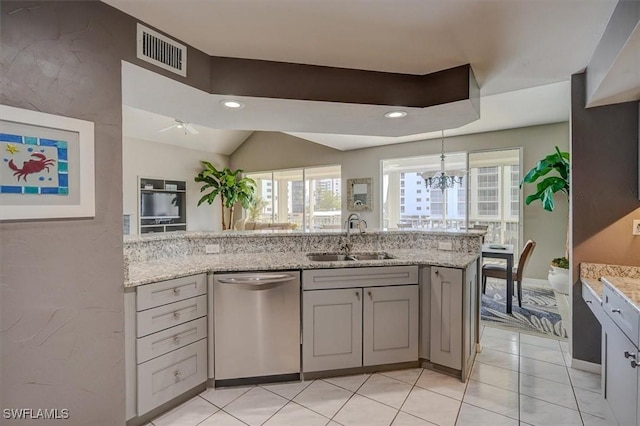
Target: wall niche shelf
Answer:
[[162, 206]]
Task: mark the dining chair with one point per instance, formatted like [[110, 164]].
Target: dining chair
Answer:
[[500, 271]]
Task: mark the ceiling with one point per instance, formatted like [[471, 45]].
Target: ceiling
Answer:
[[522, 54]]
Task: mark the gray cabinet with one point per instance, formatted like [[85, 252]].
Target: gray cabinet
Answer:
[[390, 324], [446, 317], [332, 329], [359, 316], [454, 317]]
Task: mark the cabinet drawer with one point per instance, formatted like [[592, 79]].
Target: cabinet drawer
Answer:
[[593, 302], [160, 343], [163, 317], [624, 314], [320, 279], [170, 375], [163, 292]]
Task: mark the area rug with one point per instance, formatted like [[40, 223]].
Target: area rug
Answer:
[[539, 312]]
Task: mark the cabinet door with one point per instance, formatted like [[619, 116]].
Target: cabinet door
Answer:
[[332, 329], [621, 379], [425, 312], [470, 317], [390, 324], [446, 317]]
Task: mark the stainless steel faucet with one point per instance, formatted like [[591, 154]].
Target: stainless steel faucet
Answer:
[[345, 243]]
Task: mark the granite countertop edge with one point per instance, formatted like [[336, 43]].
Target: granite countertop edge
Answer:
[[629, 288], [595, 285], [141, 273]]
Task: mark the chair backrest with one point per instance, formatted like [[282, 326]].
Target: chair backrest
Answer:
[[524, 259]]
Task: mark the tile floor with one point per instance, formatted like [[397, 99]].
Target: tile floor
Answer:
[[518, 379]]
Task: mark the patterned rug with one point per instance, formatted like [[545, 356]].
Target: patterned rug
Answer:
[[539, 312]]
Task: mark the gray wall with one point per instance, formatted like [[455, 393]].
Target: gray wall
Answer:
[[61, 296], [273, 150], [604, 173]]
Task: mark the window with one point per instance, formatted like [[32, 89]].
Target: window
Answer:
[[310, 197], [407, 200]]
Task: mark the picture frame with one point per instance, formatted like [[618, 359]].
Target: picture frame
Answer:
[[47, 166], [359, 194]]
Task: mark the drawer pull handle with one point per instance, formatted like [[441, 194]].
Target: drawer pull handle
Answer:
[[634, 364], [176, 374], [615, 311], [176, 291], [176, 340], [589, 301], [628, 354], [176, 315]]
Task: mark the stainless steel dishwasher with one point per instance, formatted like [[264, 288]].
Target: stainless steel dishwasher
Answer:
[[257, 327]]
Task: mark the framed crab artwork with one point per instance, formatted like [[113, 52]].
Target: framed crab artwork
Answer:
[[46, 166]]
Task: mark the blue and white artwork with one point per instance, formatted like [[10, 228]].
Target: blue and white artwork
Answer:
[[33, 165]]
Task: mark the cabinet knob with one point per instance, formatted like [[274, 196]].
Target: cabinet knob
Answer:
[[176, 374], [176, 291], [437, 272], [176, 315], [589, 301], [358, 295], [628, 354], [370, 296], [615, 311], [176, 340], [634, 364]]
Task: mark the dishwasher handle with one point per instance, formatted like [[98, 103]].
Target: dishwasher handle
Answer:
[[257, 280]]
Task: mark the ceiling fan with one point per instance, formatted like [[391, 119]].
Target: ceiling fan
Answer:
[[179, 124]]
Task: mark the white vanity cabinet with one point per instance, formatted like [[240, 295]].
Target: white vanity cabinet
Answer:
[[359, 316], [166, 341], [453, 317]]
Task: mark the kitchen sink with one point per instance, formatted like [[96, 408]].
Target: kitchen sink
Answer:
[[339, 257]]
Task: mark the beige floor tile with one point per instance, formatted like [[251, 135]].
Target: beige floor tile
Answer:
[[498, 359], [222, 419], [323, 398], [293, 414], [190, 413], [409, 375], [475, 416], [222, 397], [386, 390], [546, 390], [361, 411], [492, 398], [540, 341], [502, 334], [553, 356], [431, 406], [545, 370], [288, 390], [442, 384], [585, 380], [495, 376], [351, 383], [404, 419], [502, 345], [590, 402], [255, 406], [541, 413]]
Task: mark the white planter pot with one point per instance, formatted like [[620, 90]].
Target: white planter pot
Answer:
[[559, 279]]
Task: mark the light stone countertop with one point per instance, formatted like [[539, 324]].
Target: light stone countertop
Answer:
[[165, 269], [628, 287], [595, 285]]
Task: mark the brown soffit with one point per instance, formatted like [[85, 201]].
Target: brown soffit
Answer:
[[268, 79]]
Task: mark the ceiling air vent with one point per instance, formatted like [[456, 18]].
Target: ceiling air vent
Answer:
[[160, 50]]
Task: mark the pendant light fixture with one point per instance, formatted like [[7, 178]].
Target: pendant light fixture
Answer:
[[441, 180]]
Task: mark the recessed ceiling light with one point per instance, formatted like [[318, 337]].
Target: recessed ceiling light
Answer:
[[231, 104], [395, 114]]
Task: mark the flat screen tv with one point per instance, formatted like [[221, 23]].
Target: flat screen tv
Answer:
[[160, 205]]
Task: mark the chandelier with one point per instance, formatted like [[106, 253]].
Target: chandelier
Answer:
[[441, 180]]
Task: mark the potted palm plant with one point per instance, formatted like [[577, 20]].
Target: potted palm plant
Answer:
[[551, 175], [229, 185]]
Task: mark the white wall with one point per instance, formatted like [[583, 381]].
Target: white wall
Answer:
[[157, 160], [273, 150]]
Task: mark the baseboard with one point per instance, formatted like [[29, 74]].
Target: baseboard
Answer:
[[591, 367]]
